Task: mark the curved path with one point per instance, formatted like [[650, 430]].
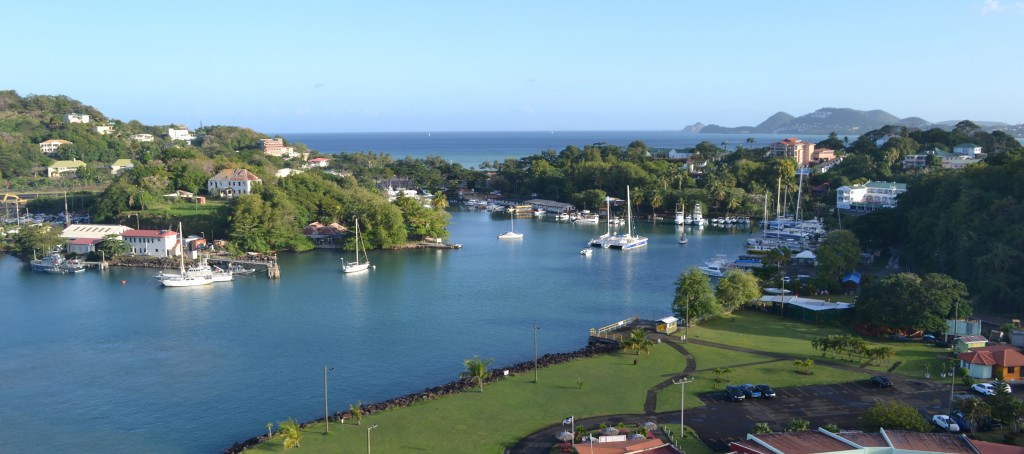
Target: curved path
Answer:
[[820, 404]]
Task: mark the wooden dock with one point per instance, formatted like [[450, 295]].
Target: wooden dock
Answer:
[[273, 269]]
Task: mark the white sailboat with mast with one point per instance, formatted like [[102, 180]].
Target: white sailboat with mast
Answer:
[[184, 278], [511, 234], [624, 241], [357, 266]]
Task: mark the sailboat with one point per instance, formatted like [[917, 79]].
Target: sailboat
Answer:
[[357, 266], [624, 241], [185, 278], [511, 234]]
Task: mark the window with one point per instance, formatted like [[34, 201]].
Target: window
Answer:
[[1010, 369]]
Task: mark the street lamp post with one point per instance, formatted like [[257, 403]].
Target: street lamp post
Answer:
[[682, 403], [535, 330], [368, 429], [327, 417], [952, 381], [686, 329]]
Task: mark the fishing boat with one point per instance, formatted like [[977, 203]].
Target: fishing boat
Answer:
[[356, 266], [240, 270], [54, 263], [511, 234]]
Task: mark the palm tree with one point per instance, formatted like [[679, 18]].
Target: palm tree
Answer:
[[291, 432], [761, 428], [357, 411], [440, 202], [638, 342], [656, 202], [750, 141], [476, 369]]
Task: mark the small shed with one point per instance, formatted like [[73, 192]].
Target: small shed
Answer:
[[851, 282], [668, 325], [965, 343], [806, 257]]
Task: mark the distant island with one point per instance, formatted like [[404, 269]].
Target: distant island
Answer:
[[841, 121]]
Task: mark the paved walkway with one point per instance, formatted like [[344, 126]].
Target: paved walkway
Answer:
[[719, 421]]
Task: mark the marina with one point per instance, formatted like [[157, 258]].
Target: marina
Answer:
[[197, 369]]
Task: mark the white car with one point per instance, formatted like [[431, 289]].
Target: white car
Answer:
[[988, 389], [945, 423]]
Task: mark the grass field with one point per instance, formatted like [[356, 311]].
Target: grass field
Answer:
[[510, 409]]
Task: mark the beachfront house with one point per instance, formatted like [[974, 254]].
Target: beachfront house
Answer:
[[154, 243], [232, 182]]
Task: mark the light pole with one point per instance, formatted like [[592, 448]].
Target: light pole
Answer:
[[327, 417], [682, 403], [535, 330], [686, 329], [368, 429], [952, 381]]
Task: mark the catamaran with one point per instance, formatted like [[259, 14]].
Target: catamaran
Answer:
[[624, 241]]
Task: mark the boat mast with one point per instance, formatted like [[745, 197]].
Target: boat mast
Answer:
[[608, 216], [778, 199], [629, 214], [357, 241], [67, 215], [799, 189], [181, 251]]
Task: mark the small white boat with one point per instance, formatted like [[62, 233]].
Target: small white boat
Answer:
[[586, 252], [511, 234], [717, 267], [683, 239], [356, 266]]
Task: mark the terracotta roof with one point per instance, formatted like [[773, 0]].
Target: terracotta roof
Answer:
[[929, 442], [987, 447], [235, 175], [808, 442], [651, 446], [1005, 355], [149, 233]]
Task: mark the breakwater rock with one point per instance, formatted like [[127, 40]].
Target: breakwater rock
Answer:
[[455, 387]]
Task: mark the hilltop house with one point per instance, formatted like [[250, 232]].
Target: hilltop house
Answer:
[[868, 197], [232, 182], [63, 168], [946, 160], [318, 162], [104, 130], [180, 134], [967, 149], [154, 243], [142, 137], [51, 146], [121, 165], [76, 118], [276, 147]]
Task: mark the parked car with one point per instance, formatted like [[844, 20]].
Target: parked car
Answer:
[[881, 381], [750, 391], [989, 389], [929, 338], [766, 391], [945, 423], [734, 393], [961, 420]]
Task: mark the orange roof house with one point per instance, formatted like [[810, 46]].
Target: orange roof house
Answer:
[[998, 361]]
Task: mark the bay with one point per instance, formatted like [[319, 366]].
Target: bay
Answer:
[[110, 360], [472, 148]]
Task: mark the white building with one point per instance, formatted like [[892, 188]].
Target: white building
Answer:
[[121, 165], [946, 160], [868, 197], [232, 182], [76, 118], [967, 149], [93, 231], [64, 168], [154, 243], [51, 146], [180, 134], [142, 137], [104, 130]]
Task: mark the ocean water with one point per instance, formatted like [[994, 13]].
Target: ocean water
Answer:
[[472, 148], [111, 361]]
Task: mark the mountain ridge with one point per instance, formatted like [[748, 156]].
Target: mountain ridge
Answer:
[[840, 120]]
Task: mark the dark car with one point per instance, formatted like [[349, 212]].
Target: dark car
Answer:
[[958, 417], [734, 393], [750, 391], [766, 391], [880, 381], [929, 338]]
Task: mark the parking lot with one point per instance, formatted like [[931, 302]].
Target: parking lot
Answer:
[[722, 421]]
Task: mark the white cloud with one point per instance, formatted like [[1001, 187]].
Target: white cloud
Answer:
[[999, 7]]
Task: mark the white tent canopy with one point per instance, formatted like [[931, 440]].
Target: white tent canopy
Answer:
[[805, 255]]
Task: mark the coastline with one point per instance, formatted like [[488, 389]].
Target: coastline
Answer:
[[592, 349]]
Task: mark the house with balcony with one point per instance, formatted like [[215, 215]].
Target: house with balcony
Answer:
[[232, 183], [60, 169], [868, 197], [142, 137], [967, 149], [104, 130], [154, 243], [946, 160], [797, 149], [50, 147]]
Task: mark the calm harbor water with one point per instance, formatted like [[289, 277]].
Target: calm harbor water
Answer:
[[89, 363], [472, 148]]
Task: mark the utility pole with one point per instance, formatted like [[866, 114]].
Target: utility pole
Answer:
[[682, 403], [535, 330]]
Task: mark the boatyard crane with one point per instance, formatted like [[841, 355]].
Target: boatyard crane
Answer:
[[17, 206]]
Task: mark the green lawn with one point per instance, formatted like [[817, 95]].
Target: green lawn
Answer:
[[506, 411]]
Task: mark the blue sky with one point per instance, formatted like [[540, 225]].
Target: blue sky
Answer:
[[325, 66]]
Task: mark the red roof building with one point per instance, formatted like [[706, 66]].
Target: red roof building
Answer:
[[1002, 361]]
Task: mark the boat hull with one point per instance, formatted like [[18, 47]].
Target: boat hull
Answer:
[[355, 267]]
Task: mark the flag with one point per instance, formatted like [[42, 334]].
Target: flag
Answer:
[[567, 421]]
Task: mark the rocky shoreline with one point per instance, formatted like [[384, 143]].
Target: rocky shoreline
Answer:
[[592, 349]]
